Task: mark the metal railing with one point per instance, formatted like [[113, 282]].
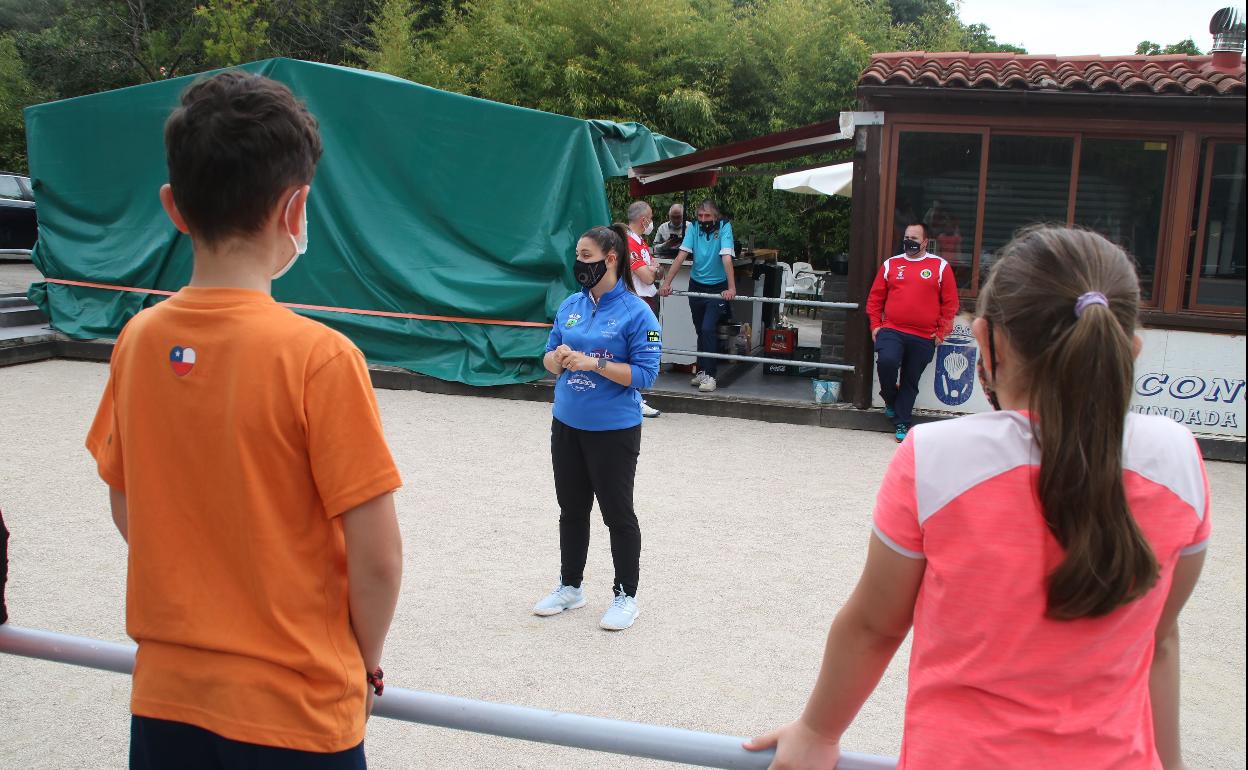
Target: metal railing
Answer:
[[773, 300], [593, 733], [760, 360]]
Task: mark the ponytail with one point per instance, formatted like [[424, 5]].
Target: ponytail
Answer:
[[1078, 369], [614, 239]]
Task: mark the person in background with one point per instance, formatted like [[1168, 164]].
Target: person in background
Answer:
[[713, 249], [911, 309], [645, 268], [604, 347], [246, 467], [671, 233], [1042, 553]]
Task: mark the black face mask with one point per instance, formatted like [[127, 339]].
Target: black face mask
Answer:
[[707, 227], [983, 373], [911, 246], [588, 274]]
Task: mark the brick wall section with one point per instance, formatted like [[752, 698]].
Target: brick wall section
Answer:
[[835, 289]]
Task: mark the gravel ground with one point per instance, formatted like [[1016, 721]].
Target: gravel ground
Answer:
[[743, 569]]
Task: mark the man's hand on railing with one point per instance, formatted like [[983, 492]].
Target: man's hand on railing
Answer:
[[798, 748]]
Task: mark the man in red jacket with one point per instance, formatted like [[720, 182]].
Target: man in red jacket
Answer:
[[911, 309]]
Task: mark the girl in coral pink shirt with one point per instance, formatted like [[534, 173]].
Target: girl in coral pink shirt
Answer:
[[1041, 553]]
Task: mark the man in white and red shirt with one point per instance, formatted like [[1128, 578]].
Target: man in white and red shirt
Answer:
[[911, 309], [643, 266]]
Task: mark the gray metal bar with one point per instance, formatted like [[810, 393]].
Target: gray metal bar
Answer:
[[773, 300], [593, 733], [758, 360]]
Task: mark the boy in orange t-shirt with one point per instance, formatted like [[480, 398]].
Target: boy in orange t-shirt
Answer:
[[247, 468]]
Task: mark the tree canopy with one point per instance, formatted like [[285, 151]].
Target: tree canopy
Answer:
[[704, 72]]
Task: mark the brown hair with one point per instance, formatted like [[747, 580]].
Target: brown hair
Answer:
[[236, 143], [1078, 371], [614, 239]]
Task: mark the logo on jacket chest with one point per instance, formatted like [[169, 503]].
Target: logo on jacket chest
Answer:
[[573, 320]]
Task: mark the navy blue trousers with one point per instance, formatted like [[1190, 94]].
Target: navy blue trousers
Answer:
[[901, 359], [707, 313], [158, 744]]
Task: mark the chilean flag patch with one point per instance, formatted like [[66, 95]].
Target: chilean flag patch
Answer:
[[182, 360]]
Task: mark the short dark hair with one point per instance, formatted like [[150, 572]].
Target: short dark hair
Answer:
[[235, 143], [927, 232]]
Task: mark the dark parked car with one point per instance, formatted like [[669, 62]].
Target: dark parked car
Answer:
[[19, 227]]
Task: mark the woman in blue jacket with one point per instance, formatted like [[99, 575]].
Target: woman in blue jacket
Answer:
[[605, 348]]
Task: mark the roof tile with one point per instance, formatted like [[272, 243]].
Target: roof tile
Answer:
[[1170, 74]]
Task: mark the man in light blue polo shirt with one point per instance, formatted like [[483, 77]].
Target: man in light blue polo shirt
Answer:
[[712, 248]]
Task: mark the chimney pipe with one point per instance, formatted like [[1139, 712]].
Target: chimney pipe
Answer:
[[1227, 28]]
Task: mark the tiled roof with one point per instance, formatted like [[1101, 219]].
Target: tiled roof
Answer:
[[1177, 74]]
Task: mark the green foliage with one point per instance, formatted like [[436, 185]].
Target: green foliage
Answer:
[[233, 32], [393, 45], [704, 71], [978, 39], [1149, 48], [16, 93]]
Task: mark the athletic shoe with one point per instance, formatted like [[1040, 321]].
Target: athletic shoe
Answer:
[[707, 385], [649, 411], [902, 430], [698, 379], [560, 599], [889, 411], [621, 614]]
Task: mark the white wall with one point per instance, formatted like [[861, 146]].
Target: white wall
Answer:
[[1195, 378]]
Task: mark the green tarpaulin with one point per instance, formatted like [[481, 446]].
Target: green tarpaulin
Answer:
[[424, 202]]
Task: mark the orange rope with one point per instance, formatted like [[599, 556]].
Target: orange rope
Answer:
[[298, 306]]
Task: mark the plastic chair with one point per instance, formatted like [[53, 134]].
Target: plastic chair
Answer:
[[802, 267]]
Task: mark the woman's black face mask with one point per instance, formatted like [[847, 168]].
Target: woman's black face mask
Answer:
[[983, 375], [588, 274], [708, 227]]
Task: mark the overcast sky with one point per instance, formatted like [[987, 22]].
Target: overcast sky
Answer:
[[1102, 27]]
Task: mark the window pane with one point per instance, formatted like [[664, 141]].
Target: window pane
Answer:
[[1221, 266], [1122, 183], [1028, 183], [9, 188], [938, 183]]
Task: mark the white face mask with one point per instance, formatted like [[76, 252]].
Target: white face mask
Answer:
[[300, 241], [650, 227]]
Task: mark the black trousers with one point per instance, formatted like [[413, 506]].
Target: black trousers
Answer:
[[602, 464], [905, 354], [158, 744]]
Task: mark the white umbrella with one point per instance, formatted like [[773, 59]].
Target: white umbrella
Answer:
[[828, 180]]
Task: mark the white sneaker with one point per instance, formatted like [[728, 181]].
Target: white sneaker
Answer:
[[621, 614], [707, 385], [560, 599], [649, 411], [698, 379]]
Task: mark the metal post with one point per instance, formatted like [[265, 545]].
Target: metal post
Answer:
[[593, 733], [775, 300], [759, 360]]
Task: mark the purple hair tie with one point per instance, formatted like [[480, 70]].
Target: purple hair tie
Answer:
[[1090, 298]]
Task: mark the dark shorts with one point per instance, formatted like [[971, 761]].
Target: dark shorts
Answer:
[[157, 744]]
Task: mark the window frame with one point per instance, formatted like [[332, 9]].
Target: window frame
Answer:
[[1209, 145], [1165, 259]]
